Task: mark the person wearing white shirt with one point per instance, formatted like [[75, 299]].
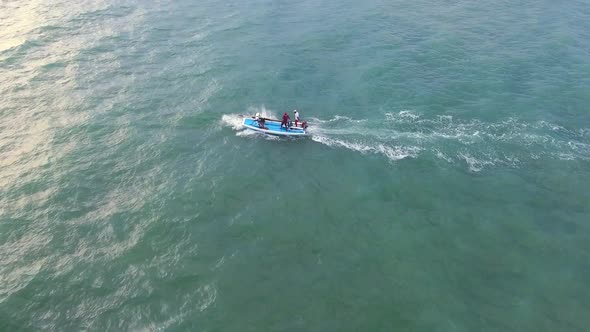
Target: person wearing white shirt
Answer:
[[296, 116]]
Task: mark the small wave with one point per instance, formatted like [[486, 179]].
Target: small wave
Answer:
[[566, 156], [392, 153], [207, 295], [581, 149], [246, 133], [550, 126], [474, 164], [408, 115], [439, 154], [252, 133], [405, 115]]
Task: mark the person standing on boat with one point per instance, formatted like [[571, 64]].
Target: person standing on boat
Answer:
[[285, 121], [296, 115]]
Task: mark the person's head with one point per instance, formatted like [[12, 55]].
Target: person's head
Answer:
[[294, 111], [257, 115], [285, 113]]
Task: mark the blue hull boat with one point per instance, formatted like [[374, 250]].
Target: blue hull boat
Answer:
[[273, 127]]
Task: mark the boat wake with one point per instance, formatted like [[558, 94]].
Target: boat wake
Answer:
[[361, 136], [392, 153], [476, 144]]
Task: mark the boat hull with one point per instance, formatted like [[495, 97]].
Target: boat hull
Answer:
[[272, 127]]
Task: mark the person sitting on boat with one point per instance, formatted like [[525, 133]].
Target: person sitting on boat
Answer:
[[285, 121], [296, 116]]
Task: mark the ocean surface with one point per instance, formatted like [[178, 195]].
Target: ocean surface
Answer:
[[445, 185]]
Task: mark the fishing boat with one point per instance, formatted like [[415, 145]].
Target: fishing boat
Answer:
[[273, 127]]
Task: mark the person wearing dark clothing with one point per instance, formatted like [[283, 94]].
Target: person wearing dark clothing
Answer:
[[261, 121], [285, 121]]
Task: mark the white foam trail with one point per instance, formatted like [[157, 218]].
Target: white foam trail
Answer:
[[336, 118], [391, 152], [233, 120]]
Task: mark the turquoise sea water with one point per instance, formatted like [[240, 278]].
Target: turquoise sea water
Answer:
[[445, 186]]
